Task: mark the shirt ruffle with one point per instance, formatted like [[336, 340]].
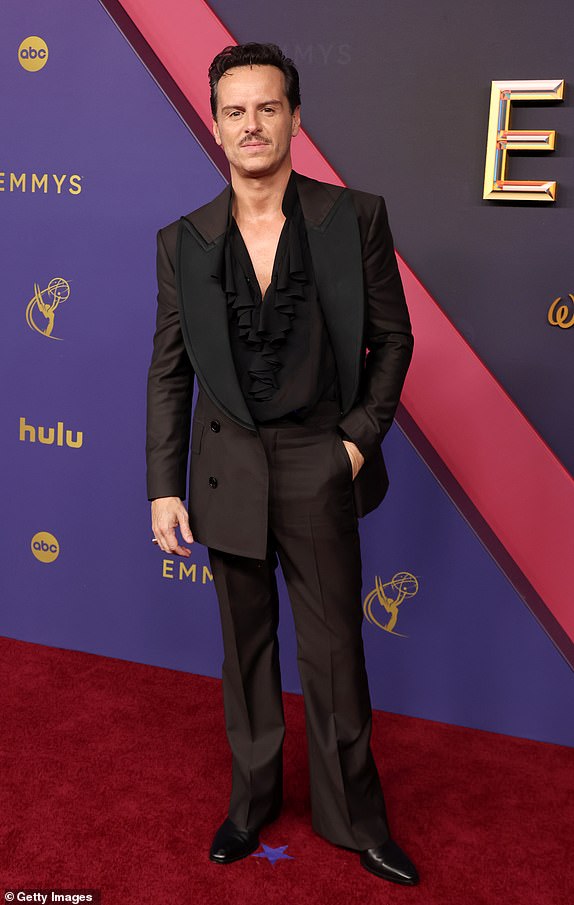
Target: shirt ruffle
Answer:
[[264, 326]]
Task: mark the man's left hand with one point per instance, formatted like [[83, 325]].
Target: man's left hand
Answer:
[[355, 455]]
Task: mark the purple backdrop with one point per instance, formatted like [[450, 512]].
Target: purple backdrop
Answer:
[[466, 649]]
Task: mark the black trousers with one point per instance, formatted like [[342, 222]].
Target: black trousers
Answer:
[[313, 533]]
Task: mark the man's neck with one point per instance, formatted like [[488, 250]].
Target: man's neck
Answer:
[[259, 198]]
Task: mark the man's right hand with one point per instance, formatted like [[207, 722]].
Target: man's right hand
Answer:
[[167, 513]]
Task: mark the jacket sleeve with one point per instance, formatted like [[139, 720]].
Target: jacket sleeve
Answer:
[[388, 339], [169, 391]]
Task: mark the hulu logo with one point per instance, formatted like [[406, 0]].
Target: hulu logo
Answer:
[[50, 436]]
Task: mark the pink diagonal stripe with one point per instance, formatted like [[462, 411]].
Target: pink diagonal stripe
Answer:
[[501, 462]]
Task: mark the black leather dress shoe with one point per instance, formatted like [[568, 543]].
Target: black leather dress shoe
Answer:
[[231, 843], [390, 862]]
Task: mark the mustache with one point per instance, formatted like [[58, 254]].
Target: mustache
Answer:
[[255, 141]]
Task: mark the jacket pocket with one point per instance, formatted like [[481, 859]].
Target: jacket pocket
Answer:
[[196, 435]]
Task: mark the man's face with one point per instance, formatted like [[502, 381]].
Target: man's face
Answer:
[[254, 124]]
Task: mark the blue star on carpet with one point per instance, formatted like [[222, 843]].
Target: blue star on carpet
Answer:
[[272, 854]]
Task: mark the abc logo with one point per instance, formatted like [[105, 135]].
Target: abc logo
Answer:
[[45, 547], [33, 53]]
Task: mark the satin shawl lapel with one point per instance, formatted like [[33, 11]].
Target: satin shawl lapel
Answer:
[[335, 245], [203, 306]]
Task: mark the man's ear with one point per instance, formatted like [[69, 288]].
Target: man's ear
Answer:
[[215, 129], [296, 120]]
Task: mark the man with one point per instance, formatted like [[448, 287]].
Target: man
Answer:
[[270, 295]]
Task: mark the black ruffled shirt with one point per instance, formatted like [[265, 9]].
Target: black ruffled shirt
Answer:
[[280, 345]]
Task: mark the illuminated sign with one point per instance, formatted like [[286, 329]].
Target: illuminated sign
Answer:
[[502, 139]]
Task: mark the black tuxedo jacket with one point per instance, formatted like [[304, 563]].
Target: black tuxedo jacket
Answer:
[[364, 306]]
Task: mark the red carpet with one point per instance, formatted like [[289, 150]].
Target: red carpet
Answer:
[[115, 776]]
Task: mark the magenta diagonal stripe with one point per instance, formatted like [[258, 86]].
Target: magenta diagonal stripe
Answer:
[[505, 468]]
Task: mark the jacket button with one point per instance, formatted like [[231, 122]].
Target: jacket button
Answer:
[[212, 481], [215, 426]]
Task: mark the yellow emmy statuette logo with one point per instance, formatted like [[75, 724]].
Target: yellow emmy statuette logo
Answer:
[[390, 595], [43, 305], [559, 315]]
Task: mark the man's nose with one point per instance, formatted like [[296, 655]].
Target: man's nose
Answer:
[[252, 121]]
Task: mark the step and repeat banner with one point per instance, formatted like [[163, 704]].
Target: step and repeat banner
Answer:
[[94, 159]]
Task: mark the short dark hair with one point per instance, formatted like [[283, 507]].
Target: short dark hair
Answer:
[[254, 54]]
